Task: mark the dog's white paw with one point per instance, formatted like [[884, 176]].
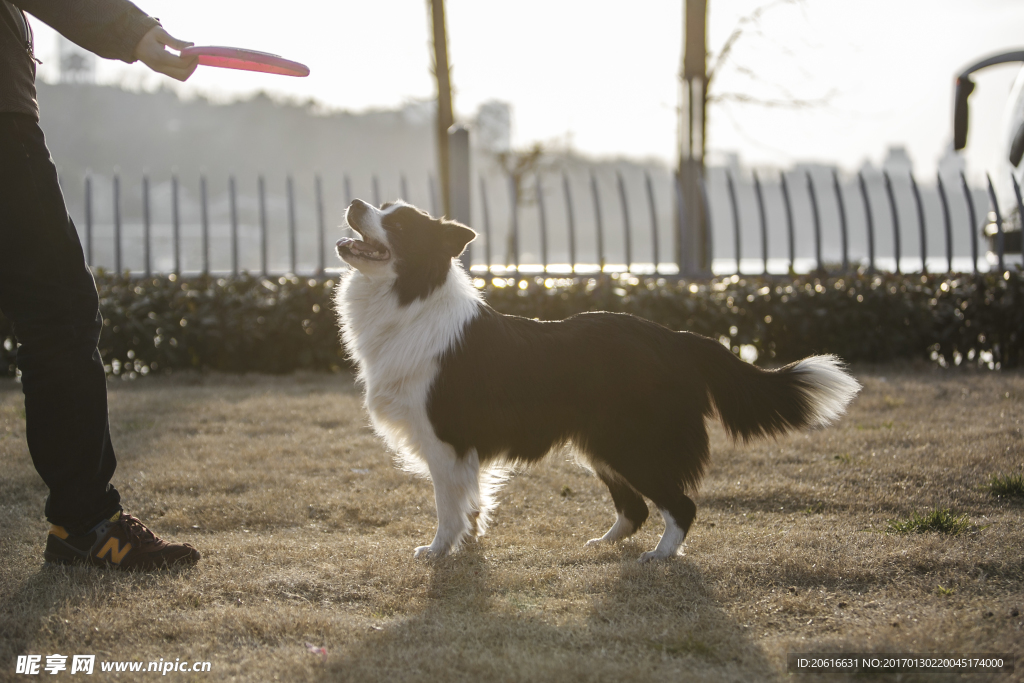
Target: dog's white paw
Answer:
[[655, 555], [595, 543], [424, 552], [429, 552]]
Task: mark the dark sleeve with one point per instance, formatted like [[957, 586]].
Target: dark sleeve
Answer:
[[109, 28]]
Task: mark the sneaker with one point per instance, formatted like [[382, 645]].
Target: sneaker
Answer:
[[121, 542]]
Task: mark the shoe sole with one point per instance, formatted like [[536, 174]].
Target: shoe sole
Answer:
[[84, 562]]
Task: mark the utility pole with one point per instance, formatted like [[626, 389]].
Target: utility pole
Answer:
[[445, 118], [693, 248]]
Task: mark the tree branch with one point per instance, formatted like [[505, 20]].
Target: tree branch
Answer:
[[789, 103], [737, 33]]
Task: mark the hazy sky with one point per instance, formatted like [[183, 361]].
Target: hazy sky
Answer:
[[601, 74]]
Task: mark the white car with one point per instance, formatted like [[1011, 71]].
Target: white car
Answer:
[[1010, 180]]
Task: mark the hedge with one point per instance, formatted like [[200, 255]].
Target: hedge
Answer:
[[243, 324], [277, 325]]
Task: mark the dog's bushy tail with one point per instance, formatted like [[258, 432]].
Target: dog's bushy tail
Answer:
[[754, 403]]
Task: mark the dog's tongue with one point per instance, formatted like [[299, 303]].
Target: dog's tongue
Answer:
[[362, 247], [356, 245]]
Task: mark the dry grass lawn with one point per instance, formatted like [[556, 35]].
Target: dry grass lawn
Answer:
[[307, 532]]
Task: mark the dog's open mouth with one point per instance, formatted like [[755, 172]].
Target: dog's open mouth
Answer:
[[371, 251]]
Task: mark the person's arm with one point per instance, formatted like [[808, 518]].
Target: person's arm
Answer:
[[113, 29]]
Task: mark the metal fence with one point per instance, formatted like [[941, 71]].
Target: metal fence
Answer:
[[602, 225], [911, 239]]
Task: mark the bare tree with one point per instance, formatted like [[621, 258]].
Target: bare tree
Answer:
[[693, 250], [445, 117], [696, 80], [743, 27]]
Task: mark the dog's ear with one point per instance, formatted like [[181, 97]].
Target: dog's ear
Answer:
[[455, 237]]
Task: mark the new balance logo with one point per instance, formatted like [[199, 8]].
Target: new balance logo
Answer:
[[113, 546]]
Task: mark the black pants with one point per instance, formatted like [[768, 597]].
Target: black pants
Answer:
[[48, 294]]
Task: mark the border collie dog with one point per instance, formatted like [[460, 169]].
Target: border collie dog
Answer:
[[462, 393]]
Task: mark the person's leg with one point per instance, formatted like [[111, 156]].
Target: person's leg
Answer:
[[47, 292]]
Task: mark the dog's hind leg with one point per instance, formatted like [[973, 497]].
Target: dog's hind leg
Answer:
[[666, 491], [678, 511], [676, 525], [630, 506], [456, 496]]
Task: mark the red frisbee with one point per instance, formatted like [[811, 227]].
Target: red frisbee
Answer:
[[245, 60]]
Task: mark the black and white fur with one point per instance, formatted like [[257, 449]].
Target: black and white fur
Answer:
[[462, 392]]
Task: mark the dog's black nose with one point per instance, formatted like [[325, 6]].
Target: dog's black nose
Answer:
[[358, 206]]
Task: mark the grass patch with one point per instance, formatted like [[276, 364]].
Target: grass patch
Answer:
[[688, 645], [942, 521], [307, 532], [1007, 485]]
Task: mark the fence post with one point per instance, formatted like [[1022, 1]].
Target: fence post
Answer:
[[947, 222], [293, 250], [683, 256], [920, 223], [542, 214], [263, 227], [816, 216], [709, 242], [117, 223], [205, 216], [487, 223], [731, 187], [176, 225], [842, 220], [375, 187], [895, 218], [626, 227], [571, 218], [597, 221], [789, 222], [147, 230], [88, 218], [233, 197], [973, 219], [460, 180], [762, 222], [347, 182], [869, 221], [514, 205], [321, 256], [403, 187], [1000, 244], [654, 221]]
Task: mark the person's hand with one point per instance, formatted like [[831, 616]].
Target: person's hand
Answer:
[[150, 51]]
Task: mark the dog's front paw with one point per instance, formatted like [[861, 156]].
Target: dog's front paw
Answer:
[[423, 552], [656, 555], [429, 552], [595, 543]]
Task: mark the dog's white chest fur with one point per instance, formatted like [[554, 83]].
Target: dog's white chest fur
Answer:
[[396, 348]]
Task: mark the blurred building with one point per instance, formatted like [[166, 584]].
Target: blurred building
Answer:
[[897, 161], [75, 64], [492, 130]]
